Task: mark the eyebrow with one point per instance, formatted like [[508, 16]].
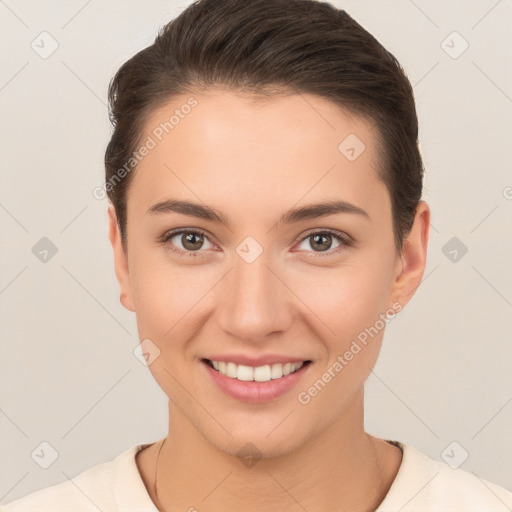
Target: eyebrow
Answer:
[[312, 211]]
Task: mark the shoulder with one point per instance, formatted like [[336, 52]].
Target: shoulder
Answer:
[[86, 492], [424, 484], [89, 491]]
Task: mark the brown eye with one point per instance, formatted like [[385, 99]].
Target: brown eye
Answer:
[[186, 242], [322, 242], [191, 241]]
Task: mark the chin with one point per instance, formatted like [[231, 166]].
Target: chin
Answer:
[[255, 441]]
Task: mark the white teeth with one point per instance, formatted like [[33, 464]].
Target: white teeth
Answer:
[[243, 372], [277, 371], [231, 370], [260, 373]]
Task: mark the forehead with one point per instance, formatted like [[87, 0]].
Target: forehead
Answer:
[[238, 149]]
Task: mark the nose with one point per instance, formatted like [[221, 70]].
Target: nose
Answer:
[[255, 300]]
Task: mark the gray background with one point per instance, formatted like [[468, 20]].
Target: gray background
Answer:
[[68, 375]]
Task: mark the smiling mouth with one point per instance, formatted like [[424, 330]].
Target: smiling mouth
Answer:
[[263, 373]]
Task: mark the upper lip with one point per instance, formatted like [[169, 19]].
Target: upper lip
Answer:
[[255, 361]]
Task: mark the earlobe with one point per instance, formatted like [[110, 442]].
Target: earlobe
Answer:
[[120, 260], [413, 257]]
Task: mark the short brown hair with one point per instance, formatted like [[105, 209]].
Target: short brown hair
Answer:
[[265, 46]]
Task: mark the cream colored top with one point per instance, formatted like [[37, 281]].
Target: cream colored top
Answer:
[[421, 484]]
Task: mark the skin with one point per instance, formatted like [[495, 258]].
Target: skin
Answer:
[[254, 160]]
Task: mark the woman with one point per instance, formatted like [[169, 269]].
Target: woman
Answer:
[[267, 224]]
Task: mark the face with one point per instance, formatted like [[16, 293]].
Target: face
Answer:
[[263, 283]]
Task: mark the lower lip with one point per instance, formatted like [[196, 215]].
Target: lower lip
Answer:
[[256, 392]]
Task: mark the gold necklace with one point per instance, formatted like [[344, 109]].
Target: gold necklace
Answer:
[[160, 508]]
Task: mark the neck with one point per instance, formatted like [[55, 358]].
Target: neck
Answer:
[[343, 468]]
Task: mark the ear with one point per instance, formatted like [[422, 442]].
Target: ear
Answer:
[[413, 257], [120, 260]]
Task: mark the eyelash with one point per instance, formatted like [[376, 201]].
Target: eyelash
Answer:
[[345, 241]]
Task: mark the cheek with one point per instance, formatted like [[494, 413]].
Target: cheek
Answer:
[[346, 299], [349, 302], [164, 294], [167, 300]]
